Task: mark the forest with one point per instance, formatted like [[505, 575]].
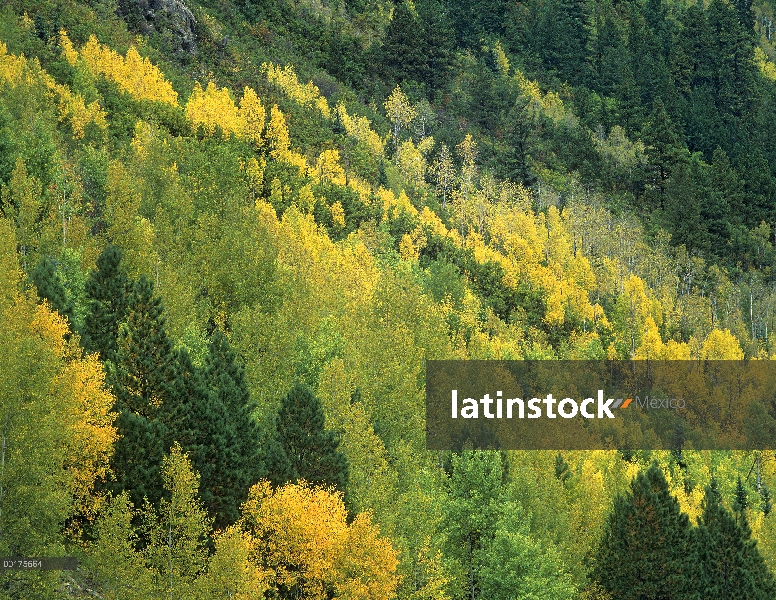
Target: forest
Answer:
[[233, 231]]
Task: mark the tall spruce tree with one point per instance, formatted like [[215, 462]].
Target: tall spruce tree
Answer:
[[137, 456], [49, 285], [311, 450], [225, 377], [664, 147], [401, 56], [142, 381], [643, 554], [729, 565], [197, 418], [107, 290], [145, 359]]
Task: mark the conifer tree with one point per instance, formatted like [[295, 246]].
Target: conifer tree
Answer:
[[144, 358], [767, 503], [202, 423], [225, 378], [49, 285], [311, 450], [728, 563], [107, 290], [137, 457], [142, 381], [663, 147], [740, 499], [402, 56], [643, 551]]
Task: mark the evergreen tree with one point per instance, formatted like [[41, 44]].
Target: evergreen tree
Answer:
[[740, 500], [728, 564], [663, 145], [142, 379], [562, 472], [437, 45], [145, 360], [225, 378], [198, 419], [560, 38], [401, 54], [310, 449], [767, 503], [49, 285], [686, 199], [137, 456], [107, 290], [518, 134], [643, 551]]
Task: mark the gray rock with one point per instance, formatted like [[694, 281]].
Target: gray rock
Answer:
[[171, 16]]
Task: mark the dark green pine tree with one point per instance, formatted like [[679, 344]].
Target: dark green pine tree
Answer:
[[607, 52], [437, 45], [740, 500], [643, 551], [767, 503], [137, 456], [745, 15], [560, 38], [197, 418], [686, 197], [225, 377], [311, 450], [402, 57], [562, 472], [142, 380], [663, 148], [145, 361], [49, 285], [107, 290], [729, 565], [519, 128]]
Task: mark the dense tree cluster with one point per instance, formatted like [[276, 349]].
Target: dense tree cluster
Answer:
[[220, 275]]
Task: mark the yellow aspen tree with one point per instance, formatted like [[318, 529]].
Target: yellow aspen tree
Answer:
[[90, 405], [411, 163], [277, 135], [502, 62], [177, 529], [306, 199], [303, 539], [230, 572], [22, 200], [213, 108], [55, 419], [444, 173], [126, 228], [328, 167], [400, 112], [721, 345], [254, 173], [360, 128], [338, 215], [305, 94], [253, 115], [134, 74], [113, 564], [651, 347]]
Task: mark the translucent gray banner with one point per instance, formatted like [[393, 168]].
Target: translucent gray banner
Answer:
[[56, 563], [590, 405]]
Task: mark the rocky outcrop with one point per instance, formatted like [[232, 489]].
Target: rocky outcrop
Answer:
[[163, 16]]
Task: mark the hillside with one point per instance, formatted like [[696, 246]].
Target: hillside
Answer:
[[233, 231]]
